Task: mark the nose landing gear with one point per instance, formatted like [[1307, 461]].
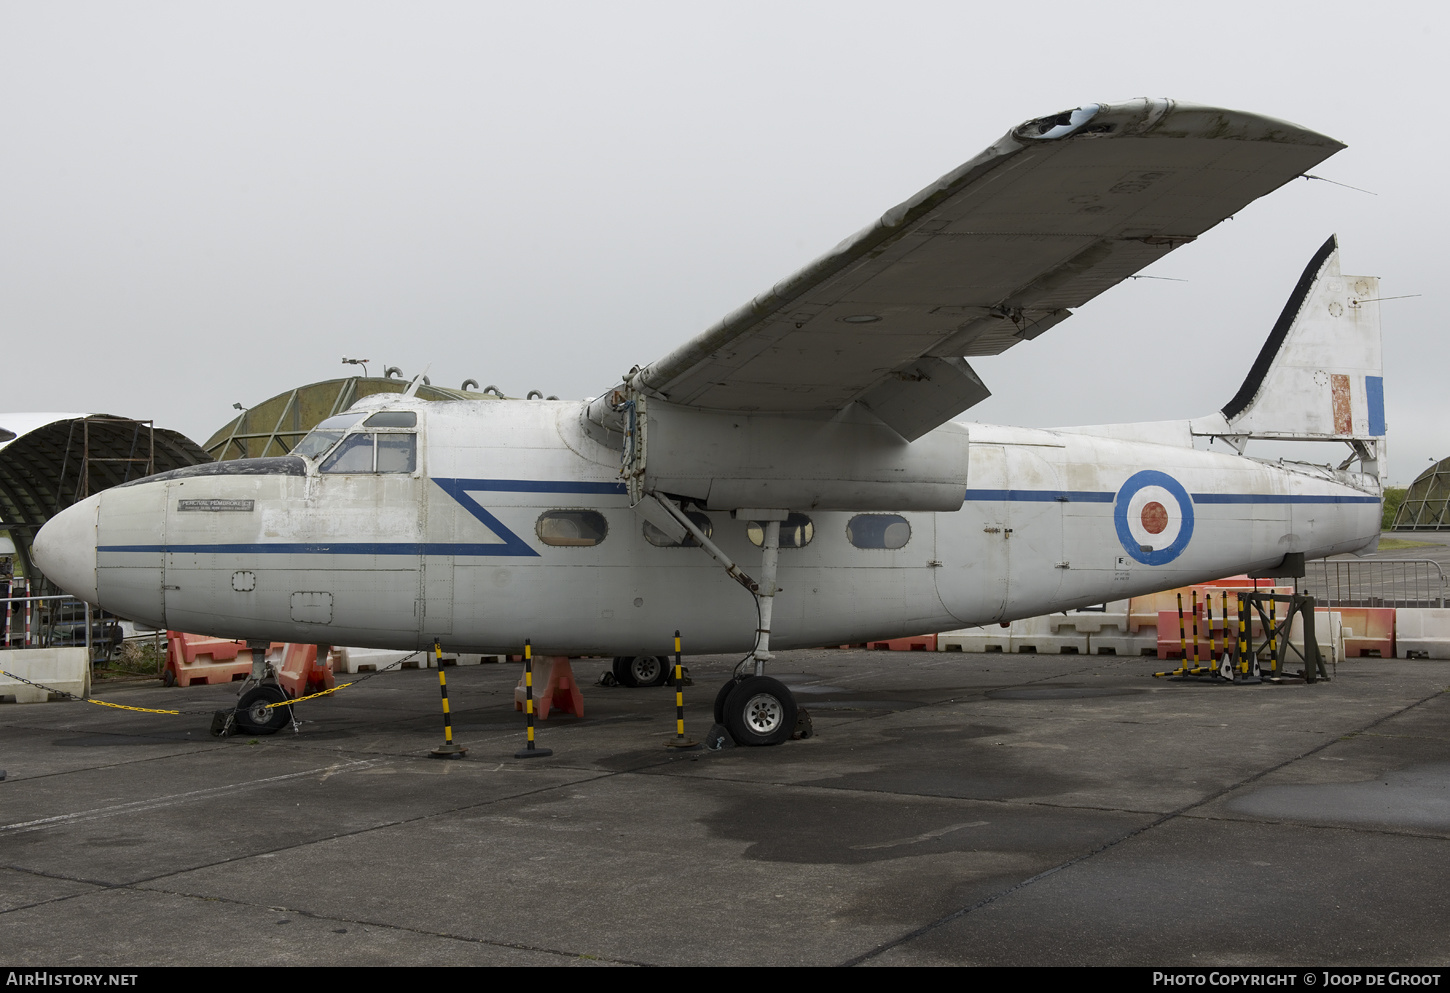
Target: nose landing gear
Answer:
[[255, 717]]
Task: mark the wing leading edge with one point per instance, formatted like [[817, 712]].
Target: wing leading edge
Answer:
[[995, 252]]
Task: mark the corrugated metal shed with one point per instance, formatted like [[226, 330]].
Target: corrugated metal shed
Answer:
[[50, 460], [275, 426], [1426, 506]]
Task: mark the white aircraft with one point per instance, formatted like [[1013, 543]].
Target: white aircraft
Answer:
[[802, 448]]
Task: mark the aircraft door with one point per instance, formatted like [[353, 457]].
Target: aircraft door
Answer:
[[189, 566], [132, 581], [1001, 553], [971, 545], [1034, 516], [435, 579]]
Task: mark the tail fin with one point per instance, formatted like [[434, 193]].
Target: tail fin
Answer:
[[1319, 376]]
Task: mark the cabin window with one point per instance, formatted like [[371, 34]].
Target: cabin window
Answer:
[[655, 536], [325, 435], [572, 527], [878, 531], [374, 453], [796, 531]]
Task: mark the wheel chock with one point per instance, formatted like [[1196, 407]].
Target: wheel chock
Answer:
[[222, 723], [718, 738], [804, 728]]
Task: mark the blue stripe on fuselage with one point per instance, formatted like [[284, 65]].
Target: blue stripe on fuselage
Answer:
[[1091, 496]]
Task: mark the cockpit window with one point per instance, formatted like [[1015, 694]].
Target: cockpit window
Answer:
[[393, 419], [325, 435], [397, 452], [369, 452]]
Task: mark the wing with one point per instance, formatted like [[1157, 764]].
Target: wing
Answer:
[[993, 253]]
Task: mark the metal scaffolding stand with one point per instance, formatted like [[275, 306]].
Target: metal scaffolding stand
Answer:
[[1276, 644]]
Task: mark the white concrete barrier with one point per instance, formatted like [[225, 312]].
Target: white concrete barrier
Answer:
[[1329, 634], [1422, 632], [66, 669], [986, 638], [1051, 634], [354, 660]]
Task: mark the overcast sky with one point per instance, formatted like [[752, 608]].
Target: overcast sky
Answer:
[[203, 204]]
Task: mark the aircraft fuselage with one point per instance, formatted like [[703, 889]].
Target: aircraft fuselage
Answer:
[[512, 523]]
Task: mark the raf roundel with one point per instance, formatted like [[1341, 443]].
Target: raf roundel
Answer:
[[1154, 517]]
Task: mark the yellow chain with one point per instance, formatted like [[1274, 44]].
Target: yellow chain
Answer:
[[122, 706], [310, 696], [149, 710]]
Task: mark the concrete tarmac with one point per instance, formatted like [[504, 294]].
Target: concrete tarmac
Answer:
[[950, 809]]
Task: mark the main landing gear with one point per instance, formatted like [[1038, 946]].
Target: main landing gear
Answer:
[[641, 670], [756, 710], [752, 707]]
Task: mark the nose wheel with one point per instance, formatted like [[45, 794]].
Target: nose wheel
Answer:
[[255, 717], [757, 710]]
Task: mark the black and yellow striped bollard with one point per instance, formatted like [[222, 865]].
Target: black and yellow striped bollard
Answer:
[[1248, 667], [530, 751], [679, 740], [447, 750], [1273, 637]]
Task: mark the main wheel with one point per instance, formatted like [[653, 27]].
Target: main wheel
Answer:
[[760, 711], [641, 670], [253, 714], [650, 670], [721, 697]]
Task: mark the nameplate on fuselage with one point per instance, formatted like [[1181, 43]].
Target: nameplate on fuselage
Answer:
[[216, 505]]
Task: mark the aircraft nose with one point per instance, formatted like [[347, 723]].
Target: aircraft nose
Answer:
[[65, 549]]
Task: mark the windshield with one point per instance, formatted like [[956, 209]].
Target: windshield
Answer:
[[326, 434]]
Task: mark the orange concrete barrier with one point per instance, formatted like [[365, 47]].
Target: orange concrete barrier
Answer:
[[561, 692], [304, 670], [919, 643], [194, 658], [1373, 632]]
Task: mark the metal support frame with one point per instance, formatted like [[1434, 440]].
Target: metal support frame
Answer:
[[83, 488], [1276, 633]]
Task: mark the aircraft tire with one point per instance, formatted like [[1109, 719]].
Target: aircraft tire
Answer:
[[641, 670], [760, 711], [254, 718], [720, 699], [622, 674], [656, 675]]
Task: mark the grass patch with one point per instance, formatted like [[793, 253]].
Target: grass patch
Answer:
[[1395, 544]]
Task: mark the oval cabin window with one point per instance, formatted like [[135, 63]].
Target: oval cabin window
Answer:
[[878, 531], [572, 528], [796, 531]]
